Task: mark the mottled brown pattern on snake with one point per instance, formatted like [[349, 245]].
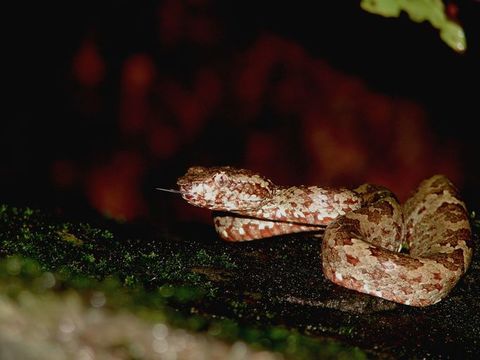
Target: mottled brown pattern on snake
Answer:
[[237, 228], [437, 232], [266, 209], [366, 229]]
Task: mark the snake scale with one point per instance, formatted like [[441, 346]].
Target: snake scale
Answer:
[[365, 229]]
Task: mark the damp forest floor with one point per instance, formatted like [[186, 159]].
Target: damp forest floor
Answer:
[[269, 294]]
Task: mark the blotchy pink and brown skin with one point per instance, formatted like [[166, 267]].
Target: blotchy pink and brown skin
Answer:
[[360, 249], [249, 206], [365, 232]]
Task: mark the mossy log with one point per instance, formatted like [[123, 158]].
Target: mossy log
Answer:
[[249, 297]]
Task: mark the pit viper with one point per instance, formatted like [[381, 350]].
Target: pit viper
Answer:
[[412, 253]]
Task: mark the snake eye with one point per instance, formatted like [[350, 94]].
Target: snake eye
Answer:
[[221, 179]]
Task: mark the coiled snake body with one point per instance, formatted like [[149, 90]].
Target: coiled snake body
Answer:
[[365, 228]]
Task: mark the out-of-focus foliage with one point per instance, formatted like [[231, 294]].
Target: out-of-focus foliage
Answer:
[[432, 11]]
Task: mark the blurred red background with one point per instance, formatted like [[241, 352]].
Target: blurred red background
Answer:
[[113, 99]]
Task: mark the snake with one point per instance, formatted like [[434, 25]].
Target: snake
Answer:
[[412, 253]]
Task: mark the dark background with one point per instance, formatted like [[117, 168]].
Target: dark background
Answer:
[[106, 100]]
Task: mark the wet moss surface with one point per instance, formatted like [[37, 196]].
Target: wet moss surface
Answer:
[[269, 293]]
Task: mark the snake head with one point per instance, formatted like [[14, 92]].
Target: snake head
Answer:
[[225, 188]]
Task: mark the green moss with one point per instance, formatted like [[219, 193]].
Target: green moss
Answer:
[[66, 236], [203, 258], [157, 283]]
